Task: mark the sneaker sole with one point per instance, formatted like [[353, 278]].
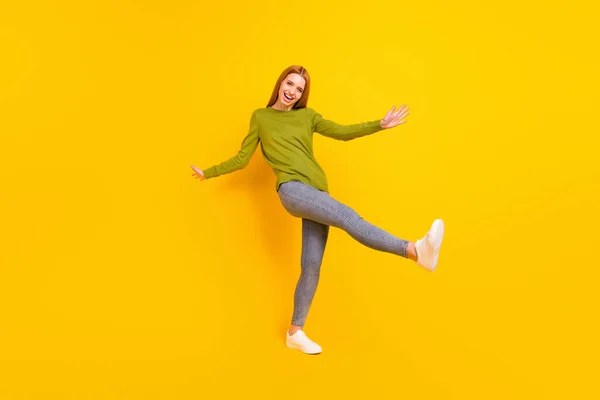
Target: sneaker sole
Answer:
[[436, 236], [291, 346]]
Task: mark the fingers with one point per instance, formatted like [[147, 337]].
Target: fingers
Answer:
[[401, 117], [401, 110], [198, 173], [198, 176], [390, 112], [397, 114], [401, 113]]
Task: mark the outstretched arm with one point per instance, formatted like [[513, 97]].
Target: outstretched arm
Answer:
[[242, 158], [348, 132]]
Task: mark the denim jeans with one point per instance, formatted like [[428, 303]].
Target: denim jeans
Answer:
[[318, 211]]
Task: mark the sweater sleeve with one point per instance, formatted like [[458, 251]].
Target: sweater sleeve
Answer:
[[242, 158], [344, 132]]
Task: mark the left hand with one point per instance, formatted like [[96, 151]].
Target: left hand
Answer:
[[393, 118]]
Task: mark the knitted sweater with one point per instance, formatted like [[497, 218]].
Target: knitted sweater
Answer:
[[286, 139]]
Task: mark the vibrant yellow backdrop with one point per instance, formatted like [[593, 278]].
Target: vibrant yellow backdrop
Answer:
[[122, 277]]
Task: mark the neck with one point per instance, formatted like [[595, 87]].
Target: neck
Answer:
[[281, 107]]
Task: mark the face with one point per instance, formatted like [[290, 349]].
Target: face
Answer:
[[290, 91]]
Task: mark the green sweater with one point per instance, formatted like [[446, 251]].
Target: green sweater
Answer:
[[286, 139]]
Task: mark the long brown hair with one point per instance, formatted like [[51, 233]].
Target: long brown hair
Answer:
[[298, 69]]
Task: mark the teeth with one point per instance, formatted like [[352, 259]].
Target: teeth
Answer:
[[287, 96]]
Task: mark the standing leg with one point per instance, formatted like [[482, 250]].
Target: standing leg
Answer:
[[314, 239]]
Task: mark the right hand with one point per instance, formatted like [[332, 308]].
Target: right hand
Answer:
[[198, 173]]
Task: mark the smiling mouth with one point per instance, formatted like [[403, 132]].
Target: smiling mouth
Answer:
[[287, 97]]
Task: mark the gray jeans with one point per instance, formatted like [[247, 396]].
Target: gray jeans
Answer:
[[318, 211]]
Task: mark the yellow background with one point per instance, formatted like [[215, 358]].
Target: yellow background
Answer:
[[122, 277]]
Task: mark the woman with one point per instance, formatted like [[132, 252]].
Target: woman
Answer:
[[285, 131]]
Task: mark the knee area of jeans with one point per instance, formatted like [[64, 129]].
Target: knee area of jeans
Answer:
[[311, 260], [312, 269], [350, 213]]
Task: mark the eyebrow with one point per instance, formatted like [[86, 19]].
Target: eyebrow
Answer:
[[301, 88]]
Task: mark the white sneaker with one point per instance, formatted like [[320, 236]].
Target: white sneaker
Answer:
[[301, 342], [428, 248]]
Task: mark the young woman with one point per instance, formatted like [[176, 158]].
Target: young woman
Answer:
[[285, 131]]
